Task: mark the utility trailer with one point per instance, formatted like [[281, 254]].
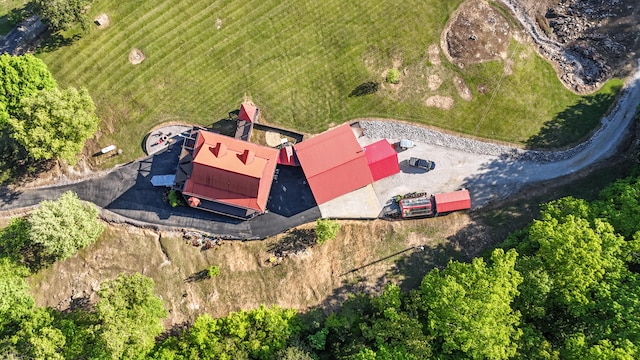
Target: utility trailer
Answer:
[[422, 205]]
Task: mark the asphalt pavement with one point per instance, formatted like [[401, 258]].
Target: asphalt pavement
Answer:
[[128, 192]]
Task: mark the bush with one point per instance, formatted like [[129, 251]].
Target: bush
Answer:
[[173, 198], [213, 271], [326, 229], [393, 76]]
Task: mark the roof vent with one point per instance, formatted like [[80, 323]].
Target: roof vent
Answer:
[[247, 156], [219, 150]]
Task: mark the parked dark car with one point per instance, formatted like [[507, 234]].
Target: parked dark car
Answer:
[[427, 165]]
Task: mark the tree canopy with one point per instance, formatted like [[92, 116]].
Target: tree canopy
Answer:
[[22, 76], [469, 307], [64, 226], [62, 14], [130, 317], [55, 123]]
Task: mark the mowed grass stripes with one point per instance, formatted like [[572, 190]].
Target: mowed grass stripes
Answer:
[[299, 61]]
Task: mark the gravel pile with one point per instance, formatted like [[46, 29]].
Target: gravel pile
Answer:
[[394, 130]]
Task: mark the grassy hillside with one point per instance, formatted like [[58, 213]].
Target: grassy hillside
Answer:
[[299, 61]]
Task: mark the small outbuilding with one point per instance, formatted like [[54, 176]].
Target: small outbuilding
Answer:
[[248, 112], [382, 159]]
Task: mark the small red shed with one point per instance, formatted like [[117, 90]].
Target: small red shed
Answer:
[[248, 112], [382, 159]]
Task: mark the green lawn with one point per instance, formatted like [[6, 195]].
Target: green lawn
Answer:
[[299, 61]]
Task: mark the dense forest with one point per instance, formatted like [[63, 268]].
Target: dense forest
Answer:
[[567, 286]]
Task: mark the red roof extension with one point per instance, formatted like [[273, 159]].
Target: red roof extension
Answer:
[[382, 159], [248, 112], [333, 163], [231, 171]]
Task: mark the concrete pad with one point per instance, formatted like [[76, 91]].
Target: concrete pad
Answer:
[[360, 204], [161, 138], [451, 172]]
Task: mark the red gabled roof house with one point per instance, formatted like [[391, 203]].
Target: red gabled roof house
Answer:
[[333, 163], [229, 176]]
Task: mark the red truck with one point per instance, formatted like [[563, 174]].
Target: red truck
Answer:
[[423, 206]]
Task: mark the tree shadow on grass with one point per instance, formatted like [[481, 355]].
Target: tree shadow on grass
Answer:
[[295, 242], [573, 124], [366, 88], [198, 276], [52, 42], [422, 259]]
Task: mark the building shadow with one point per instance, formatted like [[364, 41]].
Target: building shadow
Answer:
[[227, 126], [290, 193]]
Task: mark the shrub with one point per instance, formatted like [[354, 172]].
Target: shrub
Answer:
[[393, 76], [213, 271], [326, 229], [173, 198]]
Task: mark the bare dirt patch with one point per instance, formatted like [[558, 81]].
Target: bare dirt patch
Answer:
[[434, 81], [434, 54], [102, 21], [136, 56], [475, 33], [440, 102], [463, 89]]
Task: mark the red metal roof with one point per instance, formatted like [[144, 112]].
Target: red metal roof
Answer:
[[248, 112], [231, 171], [334, 163], [382, 159], [287, 157], [457, 200]]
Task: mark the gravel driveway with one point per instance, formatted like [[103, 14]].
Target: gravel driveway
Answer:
[[490, 171]]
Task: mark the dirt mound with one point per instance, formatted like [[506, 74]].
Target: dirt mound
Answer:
[[136, 56], [434, 82], [463, 89], [475, 33], [434, 54], [102, 21], [440, 102]]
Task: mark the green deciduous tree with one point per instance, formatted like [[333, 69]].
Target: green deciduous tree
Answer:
[[22, 76], [38, 338], [130, 317], [470, 307], [575, 254], [15, 300], [55, 123], [256, 334], [620, 204], [64, 226], [62, 14], [14, 238]]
